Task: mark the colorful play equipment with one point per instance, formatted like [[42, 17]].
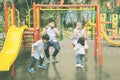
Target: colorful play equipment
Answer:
[[111, 31], [11, 47], [28, 17], [104, 34], [15, 33], [115, 26]]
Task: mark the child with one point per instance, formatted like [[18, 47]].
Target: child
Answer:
[[80, 46], [37, 53]]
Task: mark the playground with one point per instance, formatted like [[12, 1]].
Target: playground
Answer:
[[18, 35]]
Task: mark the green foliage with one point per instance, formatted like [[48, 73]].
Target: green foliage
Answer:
[[117, 10], [24, 5]]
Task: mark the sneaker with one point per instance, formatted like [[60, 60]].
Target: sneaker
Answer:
[[78, 65], [54, 59], [31, 70], [81, 66], [42, 66], [48, 60]]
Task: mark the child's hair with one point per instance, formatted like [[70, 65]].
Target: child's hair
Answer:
[[45, 37], [81, 41]]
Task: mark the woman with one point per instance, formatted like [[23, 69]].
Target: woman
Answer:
[[77, 33]]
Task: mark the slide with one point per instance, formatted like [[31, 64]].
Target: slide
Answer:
[[11, 47], [106, 37]]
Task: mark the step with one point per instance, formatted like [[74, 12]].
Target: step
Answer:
[[27, 41], [106, 22], [28, 36], [28, 46], [28, 33], [1, 45], [30, 29]]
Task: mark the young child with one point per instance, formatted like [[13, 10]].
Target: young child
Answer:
[[80, 46], [37, 53]]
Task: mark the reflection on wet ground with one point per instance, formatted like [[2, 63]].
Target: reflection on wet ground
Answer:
[[98, 70], [65, 68], [81, 73]]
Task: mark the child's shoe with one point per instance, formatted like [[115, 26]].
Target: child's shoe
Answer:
[[78, 65], [31, 70], [81, 66], [42, 66]]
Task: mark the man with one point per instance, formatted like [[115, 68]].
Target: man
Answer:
[[53, 34]]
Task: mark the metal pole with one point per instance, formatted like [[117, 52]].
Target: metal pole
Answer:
[[6, 16], [99, 43], [61, 24], [38, 23], [34, 21], [13, 70], [13, 14]]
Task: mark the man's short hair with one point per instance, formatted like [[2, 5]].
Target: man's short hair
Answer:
[[46, 37], [51, 20]]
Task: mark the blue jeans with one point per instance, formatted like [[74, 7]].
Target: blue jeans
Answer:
[[79, 58], [34, 61], [53, 44]]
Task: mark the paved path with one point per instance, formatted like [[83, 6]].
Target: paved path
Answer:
[[65, 69]]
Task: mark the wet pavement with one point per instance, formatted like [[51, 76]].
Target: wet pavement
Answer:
[[65, 68]]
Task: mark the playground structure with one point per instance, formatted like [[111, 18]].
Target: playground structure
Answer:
[[111, 26], [14, 34], [34, 32], [104, 34], [36, 21], [11, 49]]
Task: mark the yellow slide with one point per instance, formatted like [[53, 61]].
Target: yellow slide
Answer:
[[106, 37], [11, 47], [109, 40]]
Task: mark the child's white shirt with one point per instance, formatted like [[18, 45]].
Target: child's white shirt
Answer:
[[80, 48], [38, 47]]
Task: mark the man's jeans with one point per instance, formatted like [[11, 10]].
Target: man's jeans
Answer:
[[53, 44]]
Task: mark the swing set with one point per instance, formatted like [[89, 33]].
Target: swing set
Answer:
[[36, 20]]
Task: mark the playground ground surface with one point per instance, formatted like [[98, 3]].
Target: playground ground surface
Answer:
[[65, 68]]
